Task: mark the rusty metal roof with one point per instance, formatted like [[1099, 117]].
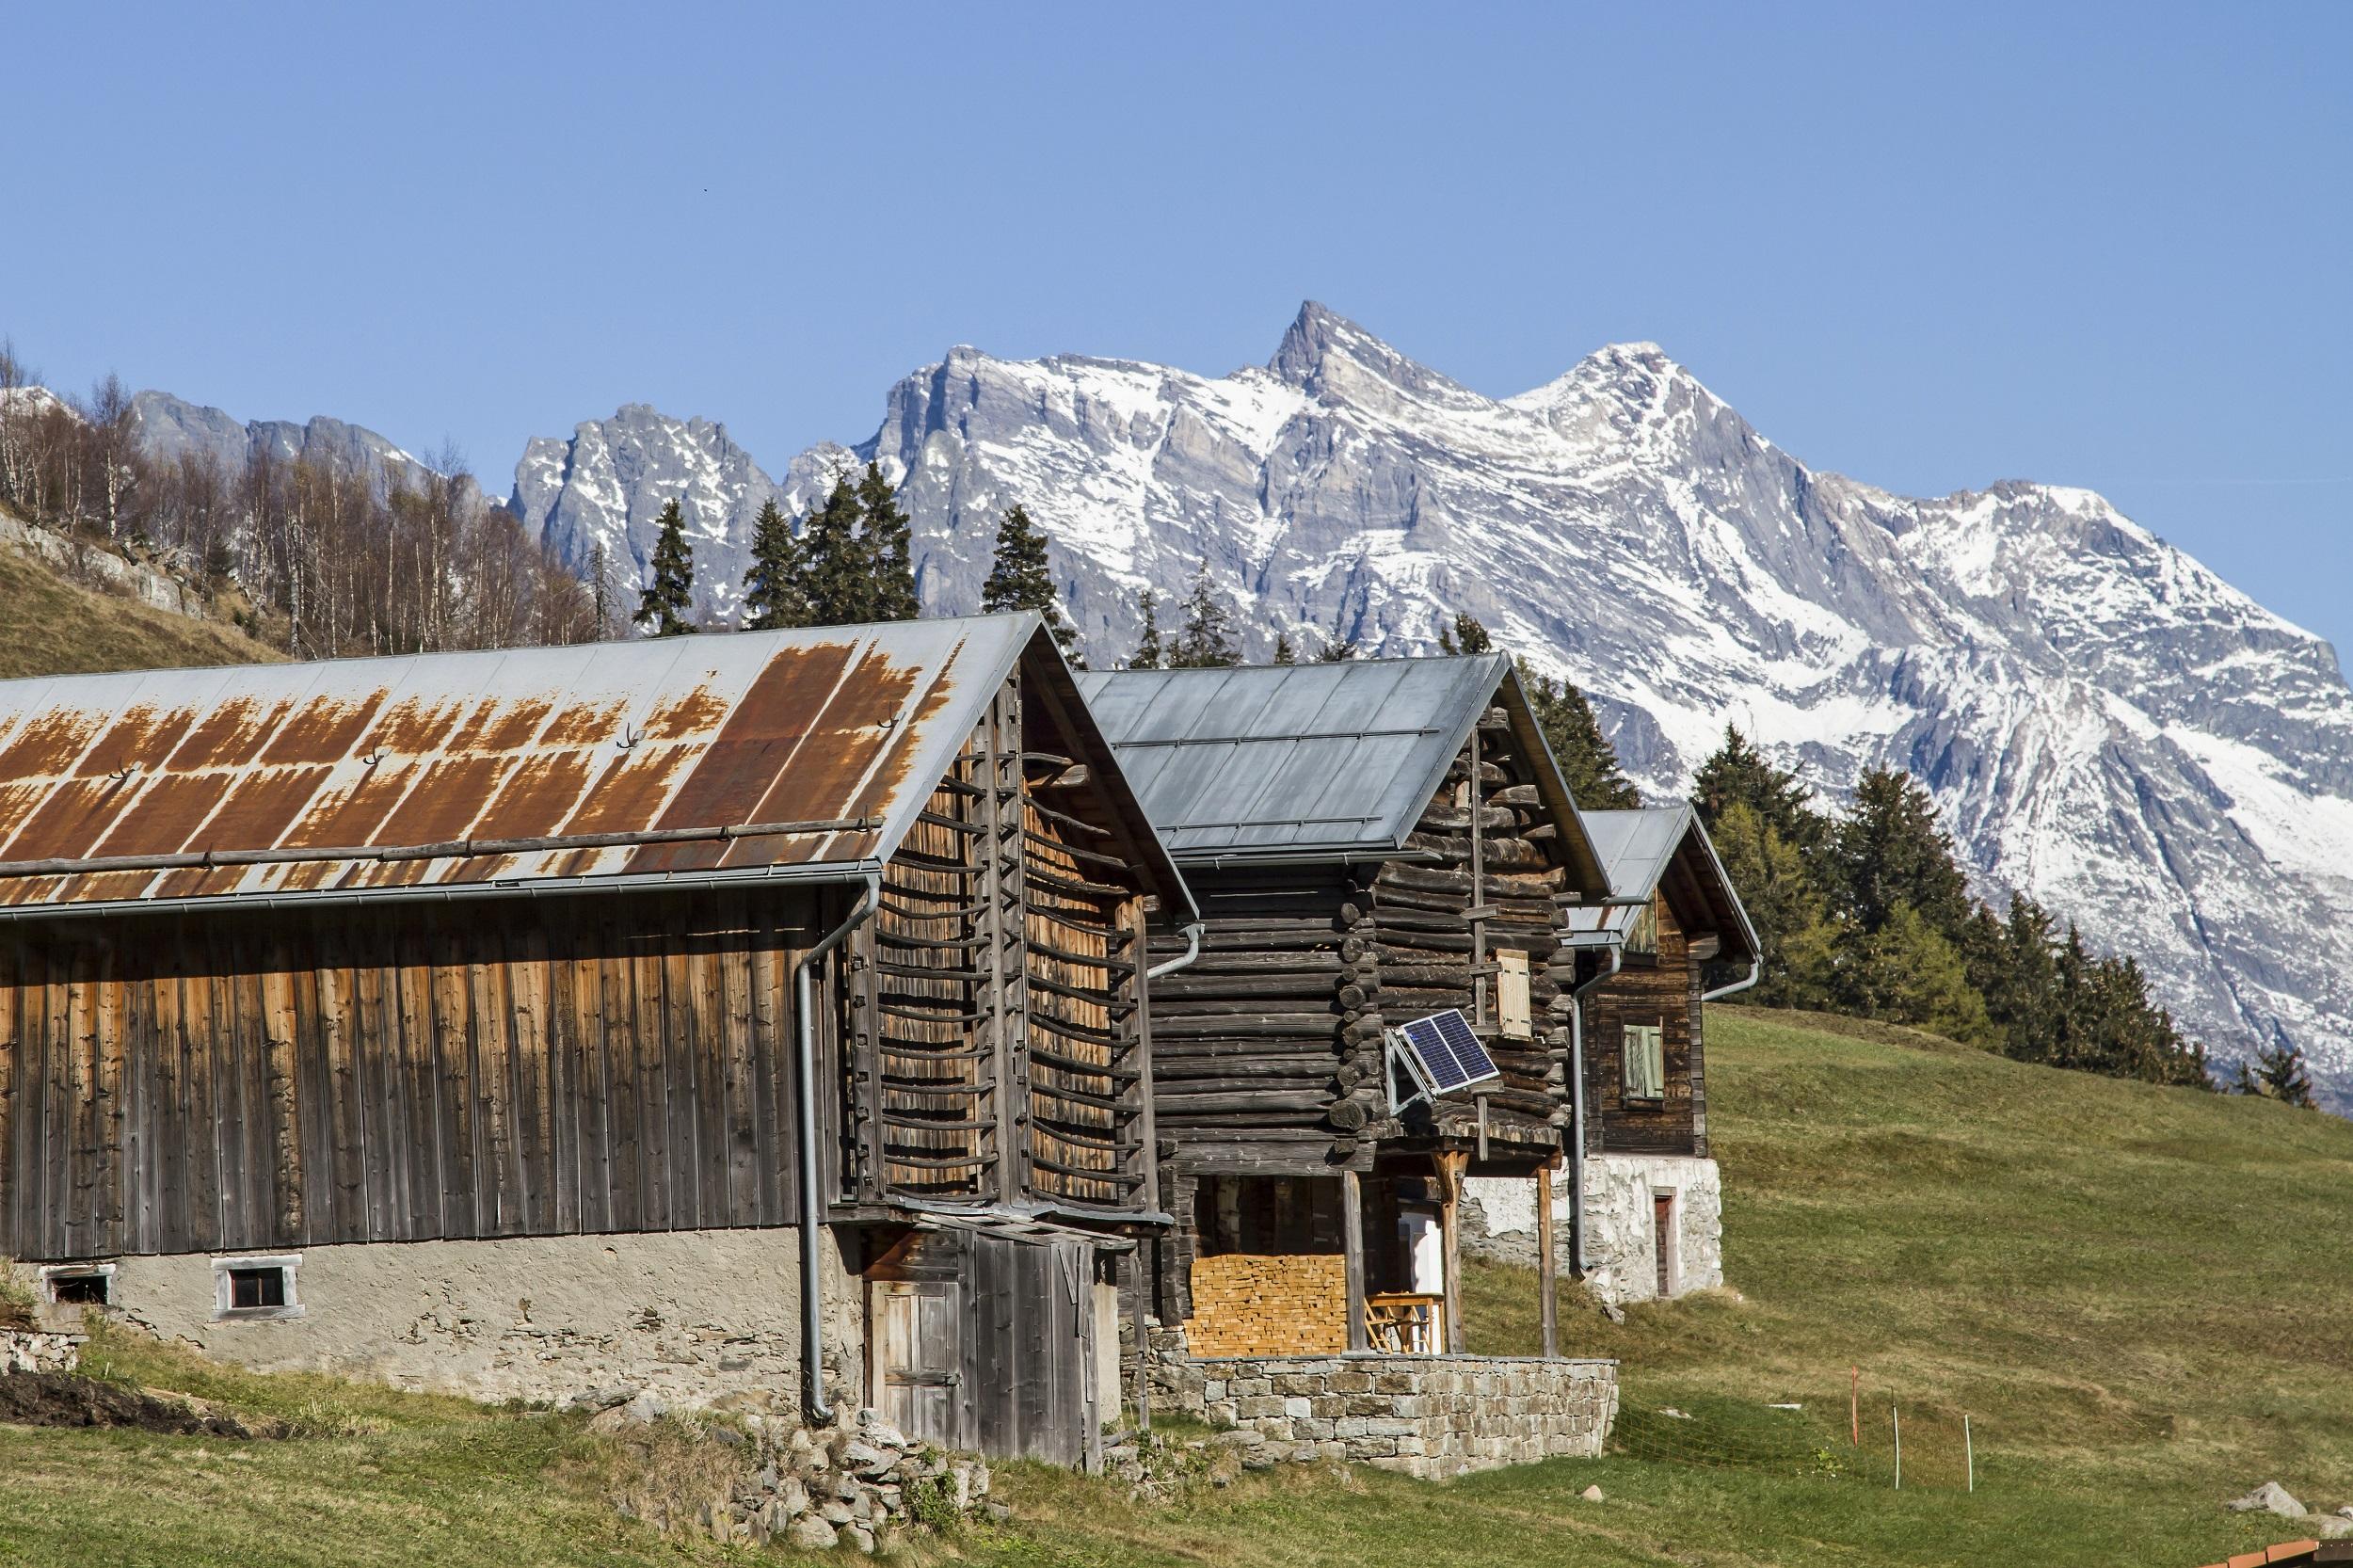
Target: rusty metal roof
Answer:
[[561, 766], [1300, 760], [1640, 847]]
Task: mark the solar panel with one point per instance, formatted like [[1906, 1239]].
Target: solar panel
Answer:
[[1449, 1053]]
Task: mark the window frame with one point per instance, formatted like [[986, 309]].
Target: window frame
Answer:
[[225, 1309], [52, 1273], [1657, 1031]]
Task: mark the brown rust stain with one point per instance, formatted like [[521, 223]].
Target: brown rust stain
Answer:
[[101, 887], [261, 806], [544, 788], [352, 815], [323, 729], [143, 738], [49, 743], [75, 815], [166, 815], [696, 712], [630, 790], [228, 736], [803, 733], [501, 724], [586, 722], [446, 800], [17, 801], [414, 726]]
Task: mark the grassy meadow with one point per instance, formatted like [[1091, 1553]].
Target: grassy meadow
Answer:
[[2133, 1293]]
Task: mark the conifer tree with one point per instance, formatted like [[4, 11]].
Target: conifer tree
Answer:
[[1283, 652], [1018, 579], [1890, 849], [1793, 921], [1588, 762], [1465, 636], [883, 532], [666, 604], [1736, 772], [832, 574], [1149, 649], [772, 585], [1339, 648], [1906, 971], [2277, 1073], [1206, 640]]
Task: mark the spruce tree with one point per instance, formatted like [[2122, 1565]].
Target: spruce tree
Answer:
[[1018, 579], [1736, 772], [832, 574], [772, 585], [1588, 762], [1148, 653], [1206, 641], [1467, 637], [1904, 971], [1337, 649], [1890, 849], [1283, 652], [666, 605], [883, 532], [2278, 1073], [1793, 923]]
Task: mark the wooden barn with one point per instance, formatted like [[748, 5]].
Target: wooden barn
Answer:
[[1650, 1221], [1371, 842], [506, 1021]]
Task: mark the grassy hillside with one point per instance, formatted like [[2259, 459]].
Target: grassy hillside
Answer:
[[50, 626], [2134, 1293]]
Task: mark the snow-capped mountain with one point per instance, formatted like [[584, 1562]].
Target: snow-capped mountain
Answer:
[[608, 483], [2107, 726]]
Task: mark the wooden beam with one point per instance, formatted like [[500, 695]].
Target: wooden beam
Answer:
[[1352, 1250], [1451, 1163], [1546, 1266]]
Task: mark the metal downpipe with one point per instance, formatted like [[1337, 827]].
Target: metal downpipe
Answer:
[[1756, 973], [1192, 950], [813, 1400]]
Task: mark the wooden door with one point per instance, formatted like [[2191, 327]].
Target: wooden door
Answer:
[[920, 1356], [1662, 1230]]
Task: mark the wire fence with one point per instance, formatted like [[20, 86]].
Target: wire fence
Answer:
[[1855, 1433]]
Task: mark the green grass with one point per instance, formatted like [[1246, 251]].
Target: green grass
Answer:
[[50, 626], [2135, 1294]]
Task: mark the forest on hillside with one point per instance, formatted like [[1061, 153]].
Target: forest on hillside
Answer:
[[333, 561]]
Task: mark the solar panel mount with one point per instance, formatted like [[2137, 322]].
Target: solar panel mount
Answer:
[[1441, 1055]]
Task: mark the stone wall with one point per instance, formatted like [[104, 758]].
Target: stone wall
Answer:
[[1432, 1417], [1499, 1222], [686, 1318], [32, 1351]]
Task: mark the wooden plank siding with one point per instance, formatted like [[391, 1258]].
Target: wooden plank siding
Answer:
[[251, 1080], [1664, 990]]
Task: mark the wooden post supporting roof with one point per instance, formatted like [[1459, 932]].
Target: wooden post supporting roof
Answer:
[[1451, 1163], [1352, 1252], [1546, 1265]]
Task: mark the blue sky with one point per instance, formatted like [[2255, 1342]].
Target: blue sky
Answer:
[[1927, 247]]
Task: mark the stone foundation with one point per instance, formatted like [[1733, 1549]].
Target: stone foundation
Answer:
[[1431, 1416], [688, 1319], [31, 1351], [1621, 1245]]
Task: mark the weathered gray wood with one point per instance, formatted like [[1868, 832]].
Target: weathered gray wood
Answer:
[[1352, 1252]]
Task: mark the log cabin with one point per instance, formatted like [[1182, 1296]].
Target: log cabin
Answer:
[[724, 1018], [1646, 1196], [1371, 842]]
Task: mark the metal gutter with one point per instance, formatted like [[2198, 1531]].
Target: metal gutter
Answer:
[[1756, 973], [1577, 1094], [813, 1275], [1192, 950]]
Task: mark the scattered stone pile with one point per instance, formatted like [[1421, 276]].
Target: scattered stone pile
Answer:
[[2271, 1498], [26, 1351], [850, 1487]]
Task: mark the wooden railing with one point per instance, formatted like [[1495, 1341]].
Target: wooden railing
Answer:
[[1405, 1323]]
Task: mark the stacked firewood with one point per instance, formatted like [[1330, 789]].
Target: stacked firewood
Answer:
[[1246, 1304]]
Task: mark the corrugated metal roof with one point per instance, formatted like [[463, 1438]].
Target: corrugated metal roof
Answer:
[[442, 755], [1298, 760], [1638, 847]]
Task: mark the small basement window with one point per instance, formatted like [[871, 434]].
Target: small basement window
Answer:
[[80, 1287], [255, 1287]]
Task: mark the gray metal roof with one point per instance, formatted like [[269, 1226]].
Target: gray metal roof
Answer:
[[765, 753], [1300, 760], [1640, 847]]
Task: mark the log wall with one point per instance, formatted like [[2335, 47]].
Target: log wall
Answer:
[[1666, 991]]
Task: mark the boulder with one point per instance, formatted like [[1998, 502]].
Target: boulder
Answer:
[[811, 1533], [1592, 1494], [2270, 1497]]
